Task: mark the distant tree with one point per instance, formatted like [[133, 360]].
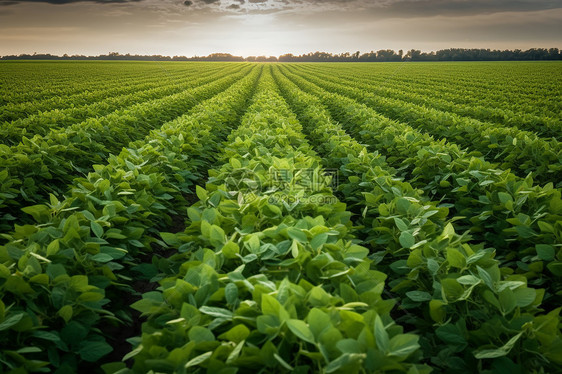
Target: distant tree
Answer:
[[383, 55]]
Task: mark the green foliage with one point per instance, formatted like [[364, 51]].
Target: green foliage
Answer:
[[56, 276], [292, 291], [417, 256], [482, 309], [45, 164]]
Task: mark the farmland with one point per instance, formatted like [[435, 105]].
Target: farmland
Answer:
[[275, 218]]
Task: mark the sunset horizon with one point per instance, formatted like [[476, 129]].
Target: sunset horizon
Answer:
[[273, 27]]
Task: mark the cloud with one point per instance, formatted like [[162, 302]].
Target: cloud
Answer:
[[376, 8], [428, 8], [61, 2], [413, 8]]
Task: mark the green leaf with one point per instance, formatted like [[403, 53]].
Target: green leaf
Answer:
[[295, 249], [381, 335], [349, 346], [216, 312], [199, 359], [200, 334], [37, 211], [114, 368], [498, 352], [297, 234], [432, 266], [407, 240], [217, 236], [230, 250], [400, 224], [318, 241], [545, 252], [403, 205], [451, 334], [40, 278], [29, 350], [283, 362], [418, 296], [555, 268], [201, 193], [468, 280], [437, 310], [11, 321], [270, 305], [92, 351], [133, 353], [371, 198], [231, 293], [193, 214], [301, 330], [235, 353], [507, 301], [455, 258], [236, 334], [102, 257], [448, 231], [451, 289], [318, 321], [235, 163], [53, 247], [65, 312], [253, 244], [402, 345], [268, 324], [504, 197], [486, 278], [347, 360], [170, 238], [115, 253], [524, 296], [96, 229]]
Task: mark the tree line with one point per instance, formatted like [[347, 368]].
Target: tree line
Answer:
[[383, 55]]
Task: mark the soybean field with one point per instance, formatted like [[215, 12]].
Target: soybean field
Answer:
[[223, 218]]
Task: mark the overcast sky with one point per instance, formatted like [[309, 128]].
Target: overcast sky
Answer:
[[273, 27]]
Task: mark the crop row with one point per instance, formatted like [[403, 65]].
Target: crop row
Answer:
[[41, 165], [269, 279], [439, 279], [525, 90], [79, 105], [328, 237], [519, 150], [544, 125], [36, 81], [44, 122], [64, 280], [513, 215]]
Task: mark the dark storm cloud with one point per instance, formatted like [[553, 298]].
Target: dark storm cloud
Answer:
[[425, 8], [380, 8], [60, 2]]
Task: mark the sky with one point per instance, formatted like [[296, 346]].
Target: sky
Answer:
[[274, 27]]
